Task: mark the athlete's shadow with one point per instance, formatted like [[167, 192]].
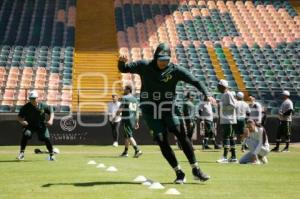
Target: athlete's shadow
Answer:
[[201, 161], [104, 156], [10, 161], [188, 183], [90, 184]]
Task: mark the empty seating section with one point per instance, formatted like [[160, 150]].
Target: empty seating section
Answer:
[[36, 52], [262, 37]]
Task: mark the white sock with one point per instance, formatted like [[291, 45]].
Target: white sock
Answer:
[[177, 168]]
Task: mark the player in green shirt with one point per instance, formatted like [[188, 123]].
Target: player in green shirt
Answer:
[[32, 117], [130, 120], [159, 78]]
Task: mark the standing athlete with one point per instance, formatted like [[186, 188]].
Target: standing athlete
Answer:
[[130, 120], [159, 78], [242, 111], [207, 119], [227, 112], [114, 121], [32, 117], [285, 118]]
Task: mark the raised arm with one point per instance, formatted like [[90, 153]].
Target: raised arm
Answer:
[[125, 67], [50, 111]]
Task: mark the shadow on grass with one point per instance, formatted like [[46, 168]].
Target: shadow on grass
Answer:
[[90, 184], [213, 151], [10, 161], [104, 156], [205, 151], [187, 183], [200, 161]]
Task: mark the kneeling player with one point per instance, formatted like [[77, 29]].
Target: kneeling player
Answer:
[[257, 141]]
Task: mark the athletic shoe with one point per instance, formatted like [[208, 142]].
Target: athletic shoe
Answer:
[[180, 177], [264, 160], [21, 156], [233, 160], [285, 150], [218, 147], [51, 158], [124, 154], [243, 148], [137, 154], [257, 162], [276, 149], [206, 147], [199, 175], [178, 145], [115, 144], [222, 160]]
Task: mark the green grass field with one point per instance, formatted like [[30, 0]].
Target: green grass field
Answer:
[[71, 177]]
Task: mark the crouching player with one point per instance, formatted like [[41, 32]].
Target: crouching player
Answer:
[[32, 117], [257, 142]]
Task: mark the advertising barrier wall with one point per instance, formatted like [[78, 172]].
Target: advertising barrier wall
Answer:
[[93, 129]]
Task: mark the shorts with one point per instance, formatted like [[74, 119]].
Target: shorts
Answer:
[[162, 125], [128, 129], [228, 130], [208, 129], [284, 130], [239, 127], [43, 133]]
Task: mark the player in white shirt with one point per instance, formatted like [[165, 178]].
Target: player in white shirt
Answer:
[[242, 112], [227, 114], [206, 116], [285, 118], [112, 108], [257, 141]]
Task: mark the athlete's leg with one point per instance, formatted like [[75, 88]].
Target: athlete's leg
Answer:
[[246, 158], [174, 123], [287, 135], [278, 137], [185, 144], [44, 136], [27, 134]]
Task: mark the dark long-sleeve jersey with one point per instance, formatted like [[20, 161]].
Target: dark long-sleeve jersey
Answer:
[[159, 86]]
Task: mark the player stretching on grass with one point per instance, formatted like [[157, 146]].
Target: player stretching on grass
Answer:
[[32, 117], [130, 115], [159, 78]]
